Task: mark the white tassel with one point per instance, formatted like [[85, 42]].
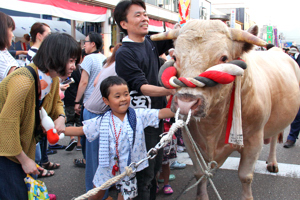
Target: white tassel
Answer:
[[236, 132]]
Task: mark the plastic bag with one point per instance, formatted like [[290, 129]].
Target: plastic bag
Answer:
[[36, 189]]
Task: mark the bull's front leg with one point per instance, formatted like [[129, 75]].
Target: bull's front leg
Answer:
[[201, 188], [249, 156]]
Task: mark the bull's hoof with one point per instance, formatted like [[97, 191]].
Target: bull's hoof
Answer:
[[273, 168]]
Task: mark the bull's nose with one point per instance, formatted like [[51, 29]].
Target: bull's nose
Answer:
[[185, 106]]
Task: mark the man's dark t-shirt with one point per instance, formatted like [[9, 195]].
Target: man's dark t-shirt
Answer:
[[138, 64]]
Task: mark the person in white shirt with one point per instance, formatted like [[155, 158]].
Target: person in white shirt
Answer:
[[7, 63]]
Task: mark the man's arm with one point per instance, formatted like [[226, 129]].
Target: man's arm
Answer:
[[156, 91], [81, 88]]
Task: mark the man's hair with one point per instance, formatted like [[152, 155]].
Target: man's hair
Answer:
[[55, 53], [121, 11], [111, 46], [36, 28], [6, 22], [109, 82], [97, 38]]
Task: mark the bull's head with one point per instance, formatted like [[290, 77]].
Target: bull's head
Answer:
[[200, 45]]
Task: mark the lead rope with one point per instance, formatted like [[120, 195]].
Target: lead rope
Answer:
[[206, 169], [151, 154]]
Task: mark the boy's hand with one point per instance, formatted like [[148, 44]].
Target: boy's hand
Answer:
[[59, 125]]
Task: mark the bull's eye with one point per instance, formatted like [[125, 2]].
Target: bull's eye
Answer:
[[224, 58], [174, 57]]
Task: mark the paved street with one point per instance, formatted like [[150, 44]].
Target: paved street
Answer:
[[68, 182]]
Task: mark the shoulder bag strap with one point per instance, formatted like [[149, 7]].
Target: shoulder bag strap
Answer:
[[37, 115]]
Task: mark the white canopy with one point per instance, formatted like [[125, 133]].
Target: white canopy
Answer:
[[23, 25], [59, 8]]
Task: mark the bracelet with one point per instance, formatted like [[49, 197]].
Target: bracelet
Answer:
[[61, 115], [76, 102]]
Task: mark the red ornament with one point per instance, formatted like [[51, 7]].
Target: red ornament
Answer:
[[166, 75], [115, 169]]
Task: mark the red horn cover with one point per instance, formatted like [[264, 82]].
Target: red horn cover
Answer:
[[166, 75], [219, 77]]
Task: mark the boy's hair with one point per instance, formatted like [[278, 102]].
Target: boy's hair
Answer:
[[97, 38], [6, 22], [109, 82], [55, 53], [121, 11], [36, 28]]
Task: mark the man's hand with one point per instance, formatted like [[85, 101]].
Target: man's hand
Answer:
[[59, 125], [77, 109]]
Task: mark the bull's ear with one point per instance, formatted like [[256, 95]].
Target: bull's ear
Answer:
[[253, 30]]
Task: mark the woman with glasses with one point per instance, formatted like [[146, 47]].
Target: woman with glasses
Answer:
[[91, 66]]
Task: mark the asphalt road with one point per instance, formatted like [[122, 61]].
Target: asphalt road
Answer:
[[68, 181]]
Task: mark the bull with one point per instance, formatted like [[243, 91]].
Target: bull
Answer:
[[269, 93]]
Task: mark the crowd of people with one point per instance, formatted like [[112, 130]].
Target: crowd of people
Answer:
[[85, 93]]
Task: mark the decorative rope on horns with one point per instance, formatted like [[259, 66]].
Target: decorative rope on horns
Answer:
[[223, 73]]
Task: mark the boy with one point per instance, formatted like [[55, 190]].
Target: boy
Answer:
[[120, 143]]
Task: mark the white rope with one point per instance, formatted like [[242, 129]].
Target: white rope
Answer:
[[92, 192]]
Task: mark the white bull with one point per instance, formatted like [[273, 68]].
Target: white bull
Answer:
[[270, 96]]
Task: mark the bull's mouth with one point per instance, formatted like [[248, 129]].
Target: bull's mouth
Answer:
[[188, 102]]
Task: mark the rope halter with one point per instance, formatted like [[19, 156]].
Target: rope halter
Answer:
[[223, 73]]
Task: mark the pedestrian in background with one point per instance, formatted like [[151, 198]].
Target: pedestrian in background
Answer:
[[91, 66], [295, 125], [38, 32], [7, 63]]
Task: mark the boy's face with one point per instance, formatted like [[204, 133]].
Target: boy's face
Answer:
[[137, 21], [118, 99]]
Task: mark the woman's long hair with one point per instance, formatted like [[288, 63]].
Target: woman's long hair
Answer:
[[112, 58]]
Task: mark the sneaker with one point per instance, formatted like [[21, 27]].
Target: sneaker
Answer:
[[78, 148], [177, 165], [56, 146], [71, 145], [49, 151]]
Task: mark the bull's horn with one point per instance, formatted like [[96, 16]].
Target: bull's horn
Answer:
[[172, 34], [244, 36]]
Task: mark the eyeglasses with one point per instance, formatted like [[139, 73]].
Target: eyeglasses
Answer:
[[85, 41]]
